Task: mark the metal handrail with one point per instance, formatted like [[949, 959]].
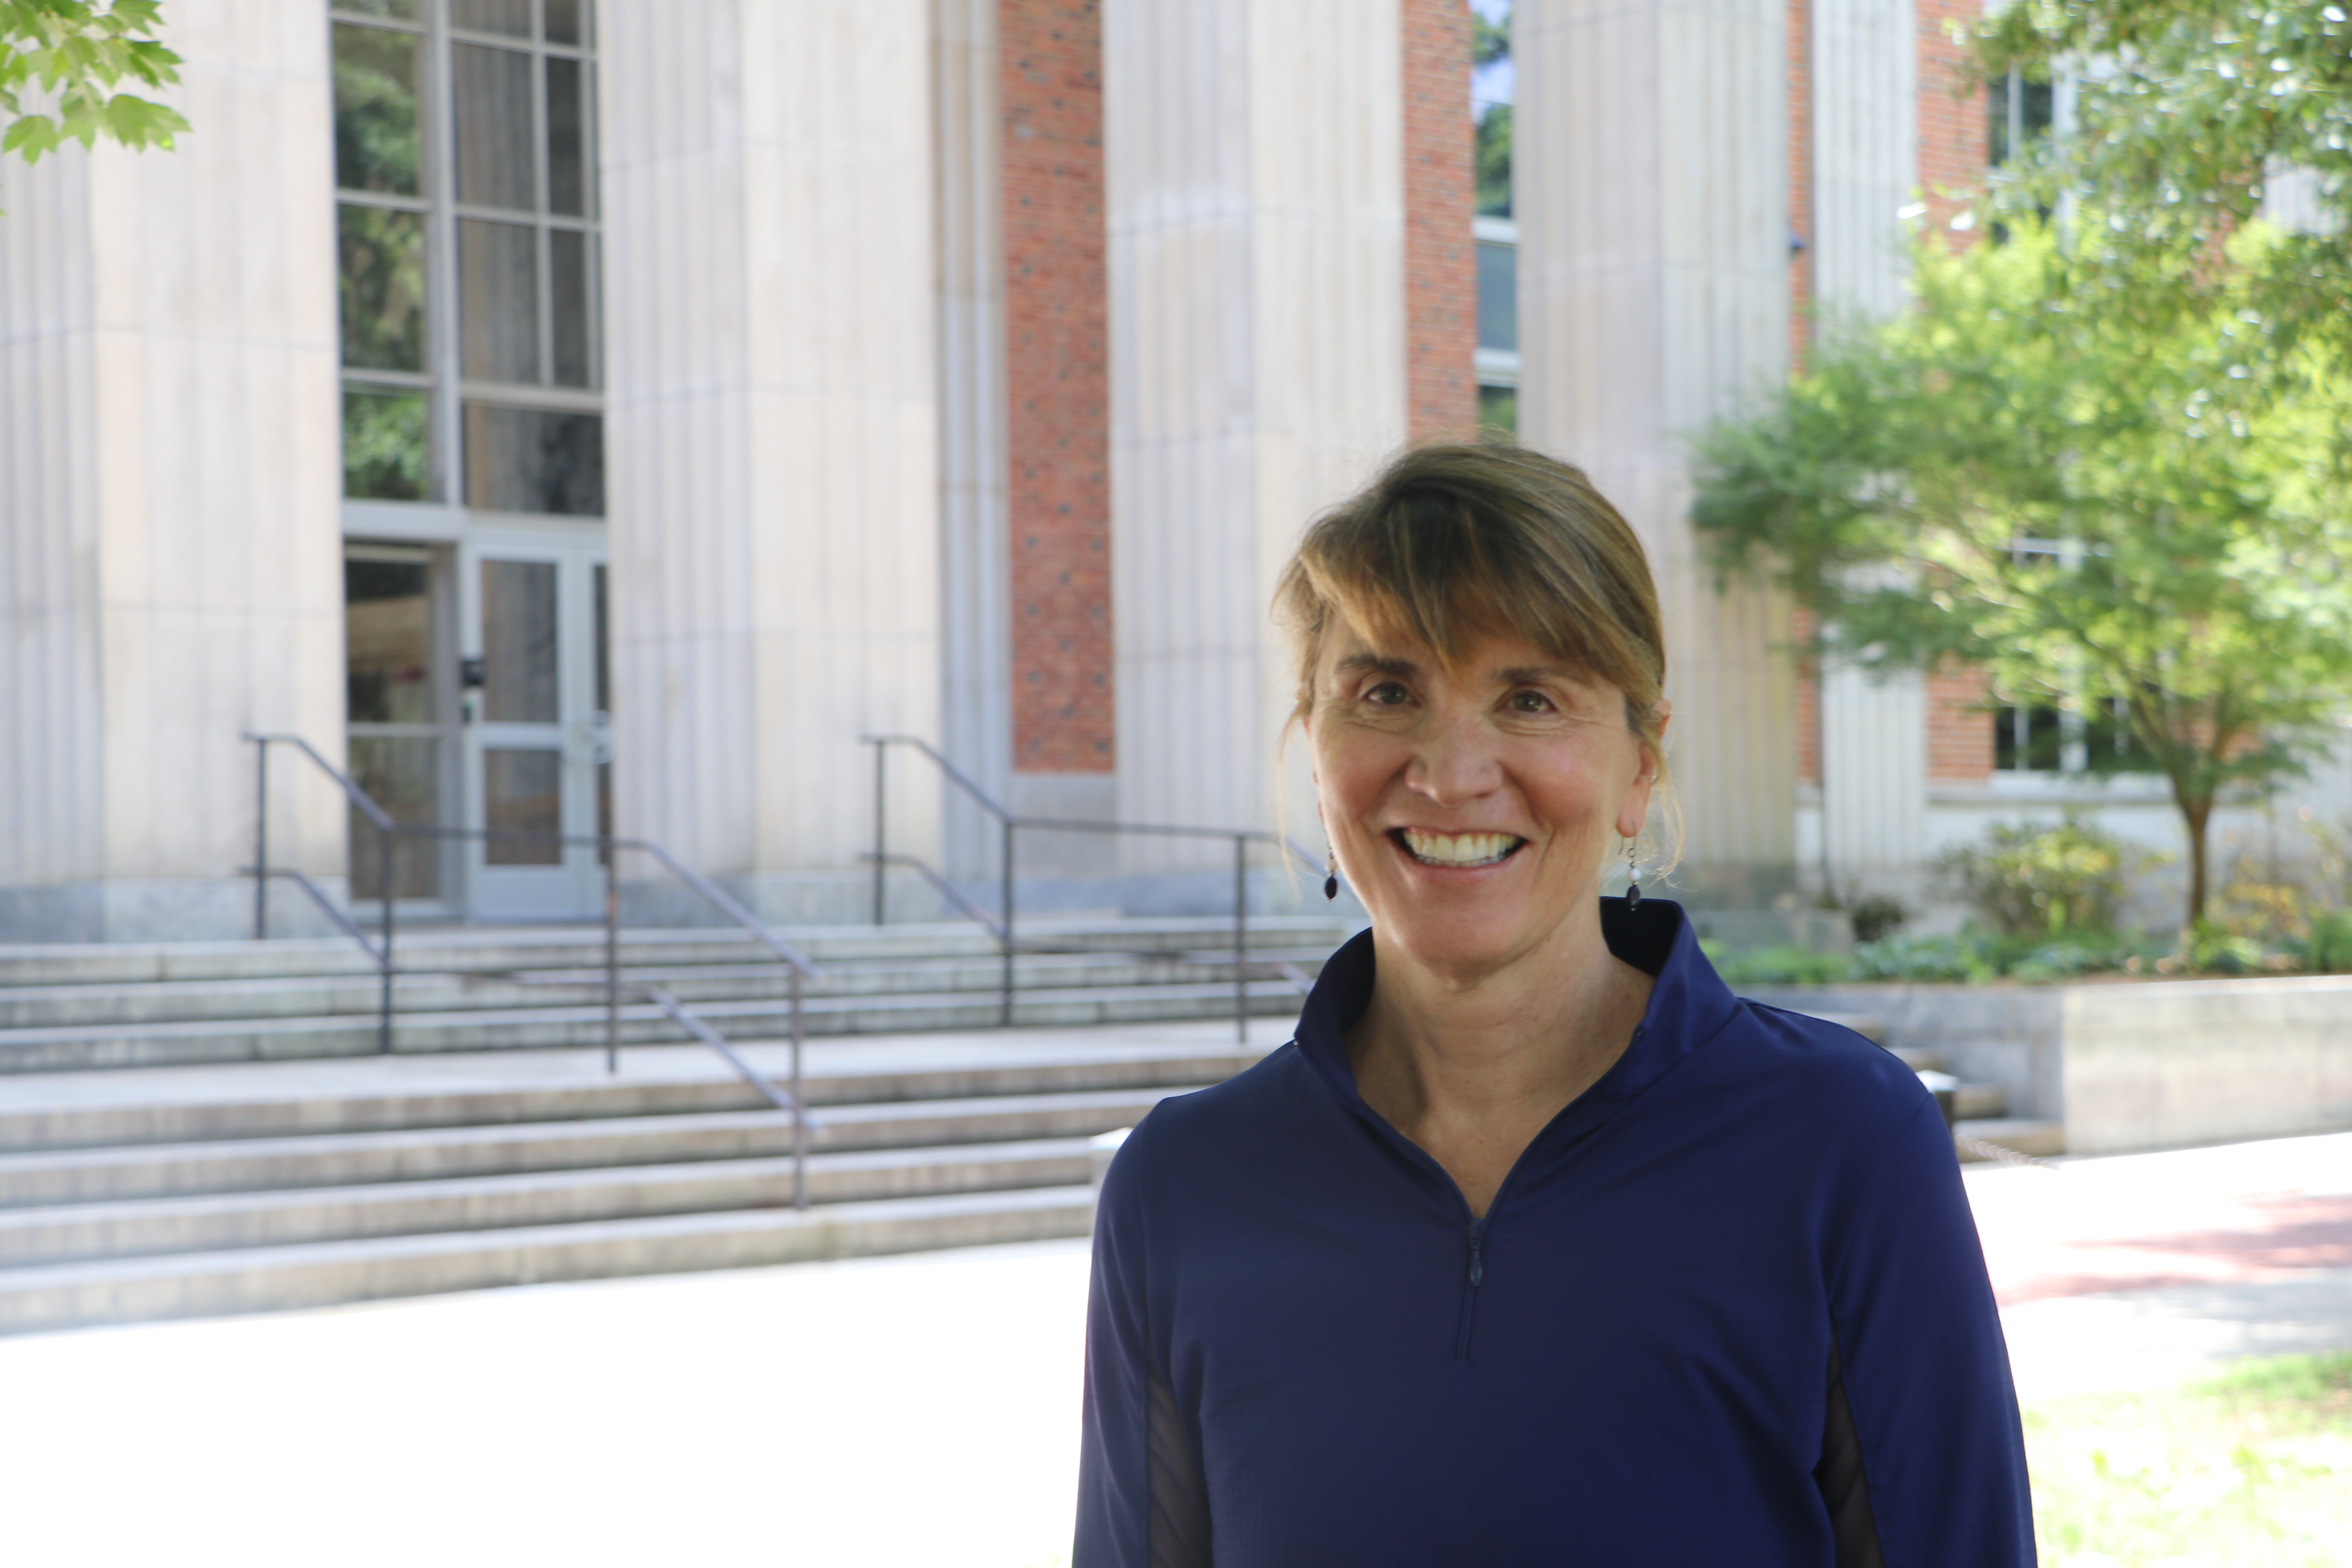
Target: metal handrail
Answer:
[[1010, 822], [800, 966]]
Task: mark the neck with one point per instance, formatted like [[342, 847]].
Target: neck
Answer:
[[1484, 1060]]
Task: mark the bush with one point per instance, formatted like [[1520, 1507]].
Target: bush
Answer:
[[1785, 964], [2327, 948], [1876, 918], [2027, 880]]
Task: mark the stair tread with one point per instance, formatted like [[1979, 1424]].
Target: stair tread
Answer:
[[181, 1266]]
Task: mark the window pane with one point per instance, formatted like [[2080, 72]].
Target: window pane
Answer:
[[567, 21], [1498, 409], [405, 10], [403, 776], [375, 109], [603, 642], [510, 16], [522, 792], [533, 460], [498, 292], [519, 642], [388, 642], [383, 255], [567, 117], [384, 445], [568, 287], [1499, 296], [491, 90]]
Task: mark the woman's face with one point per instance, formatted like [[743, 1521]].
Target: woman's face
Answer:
[[1473, 817]]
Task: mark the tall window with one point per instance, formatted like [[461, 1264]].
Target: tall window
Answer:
[[465, 169]]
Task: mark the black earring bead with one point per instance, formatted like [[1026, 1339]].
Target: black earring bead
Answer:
[[1331, 887]]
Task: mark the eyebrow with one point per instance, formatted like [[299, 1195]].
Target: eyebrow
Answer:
[[1380, 664], [1518, 674]]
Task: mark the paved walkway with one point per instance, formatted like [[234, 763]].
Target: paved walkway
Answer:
[[915, 1411]]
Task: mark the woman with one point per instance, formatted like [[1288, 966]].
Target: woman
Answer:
[[1536, 1245]]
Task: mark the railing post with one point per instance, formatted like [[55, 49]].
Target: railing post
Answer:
[[612, 954], [1241, 939], [800, 1107], [260, 837], [881, 809], [383, 1012], [1006, 1013]]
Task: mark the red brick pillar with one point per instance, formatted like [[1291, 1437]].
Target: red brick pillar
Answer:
[[1440, 263]]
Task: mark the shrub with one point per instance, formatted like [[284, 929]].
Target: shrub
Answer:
[[1877, 917], [1785, 964], [2327, 948], [2026, 880]]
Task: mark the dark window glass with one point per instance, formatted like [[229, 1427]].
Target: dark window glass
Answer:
[[518, 653], [522, 791], [386, 443], [2110, 746], [535, 460], [511, 17], [567, 147], [2020, 111], [1499, 296], [401, 774], [491, 90], [571, 304], [2028, 740], [383, 255], [1498, 409], [388, 642], [567, 21], [376, 74], [497, 300], [604, 643], [401, 10]]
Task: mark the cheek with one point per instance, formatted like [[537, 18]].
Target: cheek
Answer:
[[1352, 767]]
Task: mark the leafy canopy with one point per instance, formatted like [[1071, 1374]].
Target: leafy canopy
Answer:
[[2051, 469], [2188, 114], [68, 56]]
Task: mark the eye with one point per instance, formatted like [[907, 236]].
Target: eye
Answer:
[[1387, 694], [1527, 700]]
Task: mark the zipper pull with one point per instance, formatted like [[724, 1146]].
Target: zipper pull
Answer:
[[1478, 1263]]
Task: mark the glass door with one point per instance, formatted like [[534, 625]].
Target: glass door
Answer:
[[536, 735]]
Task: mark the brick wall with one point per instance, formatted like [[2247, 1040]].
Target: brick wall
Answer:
[[1440, 263], [1953, 150], [1056, 384]]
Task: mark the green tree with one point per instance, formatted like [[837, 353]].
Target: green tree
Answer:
[[2091, 497], [2187, 112], [67, 56], [1491, 44]]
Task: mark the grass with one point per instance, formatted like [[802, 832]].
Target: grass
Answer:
[[2252, 1468]]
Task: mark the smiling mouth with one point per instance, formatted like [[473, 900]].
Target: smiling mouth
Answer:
[[1457, 851]]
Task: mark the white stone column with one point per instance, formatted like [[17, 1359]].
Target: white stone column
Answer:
[[169, 472], [1254, 176], [1865, 172], [1651, 194], [772, 425]]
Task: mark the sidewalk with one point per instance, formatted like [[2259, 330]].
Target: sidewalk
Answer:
[[919, 1410]]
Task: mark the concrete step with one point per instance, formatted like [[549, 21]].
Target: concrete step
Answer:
[[1980, 1101], [356, 995], [175, 1109], [2041, 1139], [405, 1154], [491, 949], [151, 1227], [325, 1273], [68, 1048]]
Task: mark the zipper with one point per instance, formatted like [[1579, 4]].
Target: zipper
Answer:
[[1475, 1276]]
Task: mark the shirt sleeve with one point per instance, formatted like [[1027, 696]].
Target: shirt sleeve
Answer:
[[1114, 1526], [1925, 1370]]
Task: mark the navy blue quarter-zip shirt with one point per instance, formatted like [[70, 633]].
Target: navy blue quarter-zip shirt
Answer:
[[1728, 1309]]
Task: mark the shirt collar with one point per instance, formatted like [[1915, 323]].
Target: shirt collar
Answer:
[[1689, 1003]]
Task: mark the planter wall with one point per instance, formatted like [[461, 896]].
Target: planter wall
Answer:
[[2152, 1065]]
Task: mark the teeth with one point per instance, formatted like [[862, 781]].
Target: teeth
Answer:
[[1459, 848]]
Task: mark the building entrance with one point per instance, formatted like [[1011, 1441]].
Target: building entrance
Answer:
[[477, 697], [536, 731]]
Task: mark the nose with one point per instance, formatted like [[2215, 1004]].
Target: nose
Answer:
[[1456, 761]]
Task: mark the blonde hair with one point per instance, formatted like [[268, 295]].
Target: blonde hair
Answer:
[[1453, 542]]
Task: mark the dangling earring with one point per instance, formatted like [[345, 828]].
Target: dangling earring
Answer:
[[1633, 879], [1331, 877]]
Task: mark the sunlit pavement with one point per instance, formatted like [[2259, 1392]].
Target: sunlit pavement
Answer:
[[906, 1411]]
